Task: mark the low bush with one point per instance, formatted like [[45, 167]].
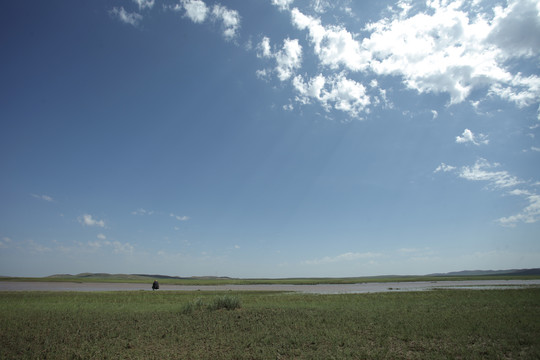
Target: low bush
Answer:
[[227, 302]]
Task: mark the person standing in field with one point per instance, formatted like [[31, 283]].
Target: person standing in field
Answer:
[[155, 285]]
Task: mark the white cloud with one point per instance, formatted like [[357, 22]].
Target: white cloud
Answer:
[[435, 114], [196, 10], [515, 28], [350, 256], [444, 168], [43, 197], [142, 211], [534, 148], [229, 18], [101, 236], [468, 136], [117, 246], [334, 45], [530, 214], [121, 248], [282, 4], [336, 92], [126, 17], [88, 220], [144, 3], [288, 59], [480, 171], [4, 242], [263, 74], [447, 48], [180, 218], [36, 247]]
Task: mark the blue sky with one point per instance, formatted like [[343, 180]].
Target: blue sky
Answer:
[[269, 138]]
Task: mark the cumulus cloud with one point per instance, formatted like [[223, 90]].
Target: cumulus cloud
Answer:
[[229, 18], [335, 92], [282, 4], [288, 59], [515, 28], [126, 17], [446, 48], [469, 137], [88, 220], [101, 236], [334, 45], [195, 10]]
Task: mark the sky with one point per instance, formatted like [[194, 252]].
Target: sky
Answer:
[[269, 138]]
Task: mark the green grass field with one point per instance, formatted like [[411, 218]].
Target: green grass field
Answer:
[[441, 324]]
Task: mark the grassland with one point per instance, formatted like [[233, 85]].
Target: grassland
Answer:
[[441, 324]]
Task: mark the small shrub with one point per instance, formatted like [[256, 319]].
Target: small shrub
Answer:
[[226, 302], [191, 306]]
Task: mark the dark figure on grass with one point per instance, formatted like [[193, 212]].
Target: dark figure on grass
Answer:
[[155, 285]]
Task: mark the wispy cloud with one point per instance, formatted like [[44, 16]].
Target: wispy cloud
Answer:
[[484, 171], [141, 211], [469, 137], [481, 171], [5, 242], [179, 217], [143, 4], [126, 17], [444, 168], [88, 220], [530, 214], [350, 256], [43, 197]]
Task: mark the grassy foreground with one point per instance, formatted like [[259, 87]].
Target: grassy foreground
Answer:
[[178, 325]]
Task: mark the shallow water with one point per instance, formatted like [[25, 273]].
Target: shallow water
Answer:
[[311, 289]]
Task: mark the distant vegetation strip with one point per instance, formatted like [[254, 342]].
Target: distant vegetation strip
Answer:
[[175, 280]]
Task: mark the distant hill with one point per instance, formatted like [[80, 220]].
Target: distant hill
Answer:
[[143, 277], [512, 272], [147, 277]]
